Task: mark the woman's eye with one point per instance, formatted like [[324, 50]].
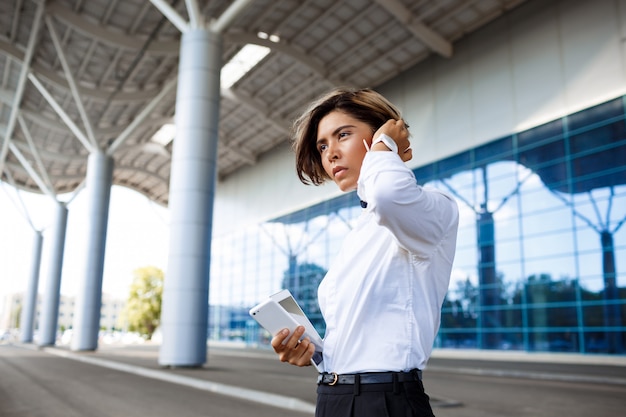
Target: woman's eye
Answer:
[[343, 134], [322, 148]]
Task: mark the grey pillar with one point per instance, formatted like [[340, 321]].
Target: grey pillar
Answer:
[[86, 323], [184, 317], [29, 306], [50, 303]]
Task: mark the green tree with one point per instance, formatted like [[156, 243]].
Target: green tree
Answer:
[[142, 313]]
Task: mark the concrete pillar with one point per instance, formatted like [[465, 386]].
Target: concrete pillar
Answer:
[[184, 317], [29, 306], [86, 324], [52, 293]]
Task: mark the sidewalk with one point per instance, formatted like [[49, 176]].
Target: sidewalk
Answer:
[[251, 375], [241, 372], [127, 381], [460, 383]]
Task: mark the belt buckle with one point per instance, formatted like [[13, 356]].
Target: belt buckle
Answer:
[[335, 379]]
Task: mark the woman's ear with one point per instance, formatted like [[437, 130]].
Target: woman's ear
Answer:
[[368, 140]]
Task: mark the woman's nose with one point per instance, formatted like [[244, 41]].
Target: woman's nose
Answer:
[[333, 150]]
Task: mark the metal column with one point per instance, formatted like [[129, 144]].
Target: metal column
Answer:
[[86, 324], [184, 318], [52, 293], [29, 306]]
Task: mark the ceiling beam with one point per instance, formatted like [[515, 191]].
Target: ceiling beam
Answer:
[[62, 114], [195, 16], [99, 94], [21, 83], [121, 170], [62, 158], [72, 83], [19, 169], [31, 171], [19, 205], [426, 35], [171, 14], [36, 155], [240, 153], [43, 121], [99, 32], [229, 15], [145, 112], [256, 107], [244, 38]]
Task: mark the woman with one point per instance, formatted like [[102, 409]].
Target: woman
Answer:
[[382, 296]]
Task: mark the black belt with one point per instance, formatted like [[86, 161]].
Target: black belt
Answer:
[[369, 378]]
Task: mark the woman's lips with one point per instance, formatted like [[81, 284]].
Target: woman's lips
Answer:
[[338, 170]]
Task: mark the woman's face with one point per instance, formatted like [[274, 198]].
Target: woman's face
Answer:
[[340, 144]]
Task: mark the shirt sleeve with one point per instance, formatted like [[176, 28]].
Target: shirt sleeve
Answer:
[[419, 218]]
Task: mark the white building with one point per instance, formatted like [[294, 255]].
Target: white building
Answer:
[[10, 315]]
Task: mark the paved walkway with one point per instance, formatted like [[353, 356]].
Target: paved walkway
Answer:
[[251, 375], [240, 381]]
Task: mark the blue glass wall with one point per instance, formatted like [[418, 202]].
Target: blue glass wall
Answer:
[[541, 253]]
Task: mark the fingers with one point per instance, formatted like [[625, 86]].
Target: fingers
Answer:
[[278, 339], [407, 155], [399, 132], [399, 125], [302, 353], [292, 350]]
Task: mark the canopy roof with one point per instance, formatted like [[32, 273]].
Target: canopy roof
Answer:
[[80, 75]]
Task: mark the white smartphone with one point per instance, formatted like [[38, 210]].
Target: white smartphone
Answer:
[[282, 311]]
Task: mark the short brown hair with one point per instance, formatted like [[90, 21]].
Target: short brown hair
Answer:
[[364, 104]]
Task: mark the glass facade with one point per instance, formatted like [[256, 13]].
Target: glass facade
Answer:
[[541, 251]]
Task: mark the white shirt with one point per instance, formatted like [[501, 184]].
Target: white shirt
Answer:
[[382, 296]]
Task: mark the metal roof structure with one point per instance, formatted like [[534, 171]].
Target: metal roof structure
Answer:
[[80, 75]]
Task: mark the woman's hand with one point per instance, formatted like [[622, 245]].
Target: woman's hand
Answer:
[[398, 131], [294, 351]]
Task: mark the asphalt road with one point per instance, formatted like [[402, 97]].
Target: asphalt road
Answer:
[[127, 381]]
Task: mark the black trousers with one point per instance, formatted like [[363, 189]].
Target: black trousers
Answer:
[[405, 399]]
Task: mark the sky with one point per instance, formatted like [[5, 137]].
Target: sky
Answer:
[[137, 237]]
